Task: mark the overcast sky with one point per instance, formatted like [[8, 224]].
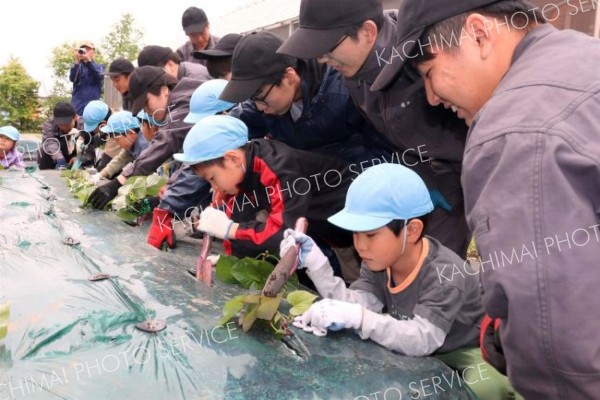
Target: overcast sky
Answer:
[[31, 29]]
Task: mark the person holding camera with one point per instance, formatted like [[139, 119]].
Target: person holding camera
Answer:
[[87, 76]]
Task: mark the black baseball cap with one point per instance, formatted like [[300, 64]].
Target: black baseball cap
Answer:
[[324, 22], [254, 61], [63, 113], [120, 66], [414, 17], [224, 47], [139, 82], [154, 55], [194, 20]]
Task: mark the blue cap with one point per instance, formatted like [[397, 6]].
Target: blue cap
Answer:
[[10, 132], [211, 138], [381, 194], [144, 116], [120, 122], [205, 101], [93, 114]]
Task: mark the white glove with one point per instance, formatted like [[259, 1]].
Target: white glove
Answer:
[[311, 257], [215, 223], [95, 179], [213, 258], [330, 314]]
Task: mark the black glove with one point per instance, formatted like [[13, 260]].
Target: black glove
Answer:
[[104, 194]]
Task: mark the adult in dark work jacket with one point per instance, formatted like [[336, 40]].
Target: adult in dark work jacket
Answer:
[[58, 137], [119, 71], [299, 102], [327, 123], [167, 59], [148, 82], [359, 47], [196, 26]]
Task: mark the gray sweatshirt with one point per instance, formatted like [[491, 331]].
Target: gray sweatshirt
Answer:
[[429, 314], [531, 177]]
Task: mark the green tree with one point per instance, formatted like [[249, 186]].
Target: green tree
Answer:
[[123, 40], [18, 97]]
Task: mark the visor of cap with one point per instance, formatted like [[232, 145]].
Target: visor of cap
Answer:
[[213, 53], [310, 43], [358, 222], [62, 120], [195, 28], [238, 90]]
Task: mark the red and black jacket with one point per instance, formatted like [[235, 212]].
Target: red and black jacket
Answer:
[[288, 184]]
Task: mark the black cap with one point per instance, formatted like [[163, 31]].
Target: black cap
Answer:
[[139, 82], [223, 48], [254, 61], [154, 55], [324, 22], [414, 17], [120, 66], [194, 20], [63, 113]]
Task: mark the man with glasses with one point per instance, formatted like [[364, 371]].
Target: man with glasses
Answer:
[[303, 104], [299, 102], [356, 38]]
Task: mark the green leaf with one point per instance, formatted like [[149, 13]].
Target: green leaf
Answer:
[[223, 268], [138, 189], [125, 215], [268, 306], [251, 273], [301, 300], [153, 184], [125, 189], [4, 313], [84, 193], [232, 308], [253, 299], [249, 317]]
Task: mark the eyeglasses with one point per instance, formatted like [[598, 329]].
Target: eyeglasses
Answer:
[[262, 100], [328, 55]]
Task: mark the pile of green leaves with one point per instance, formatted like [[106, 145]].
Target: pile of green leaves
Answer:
[[79, 183], [252, 273], [129, 202], [4, 312]]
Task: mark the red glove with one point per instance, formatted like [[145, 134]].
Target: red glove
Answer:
[[489, 342], [161, 230]]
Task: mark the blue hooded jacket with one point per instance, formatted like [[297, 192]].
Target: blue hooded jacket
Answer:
[[87, 78]]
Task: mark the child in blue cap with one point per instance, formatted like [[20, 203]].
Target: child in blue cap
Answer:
[[263, 175], [387, 209], [186, 190], [125, 129], [95, 115], [9, 155]]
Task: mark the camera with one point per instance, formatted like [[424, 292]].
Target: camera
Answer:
[[82, 51]]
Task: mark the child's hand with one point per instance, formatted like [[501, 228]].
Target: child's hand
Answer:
[[311, 257], [330, 314], [215, 223]]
